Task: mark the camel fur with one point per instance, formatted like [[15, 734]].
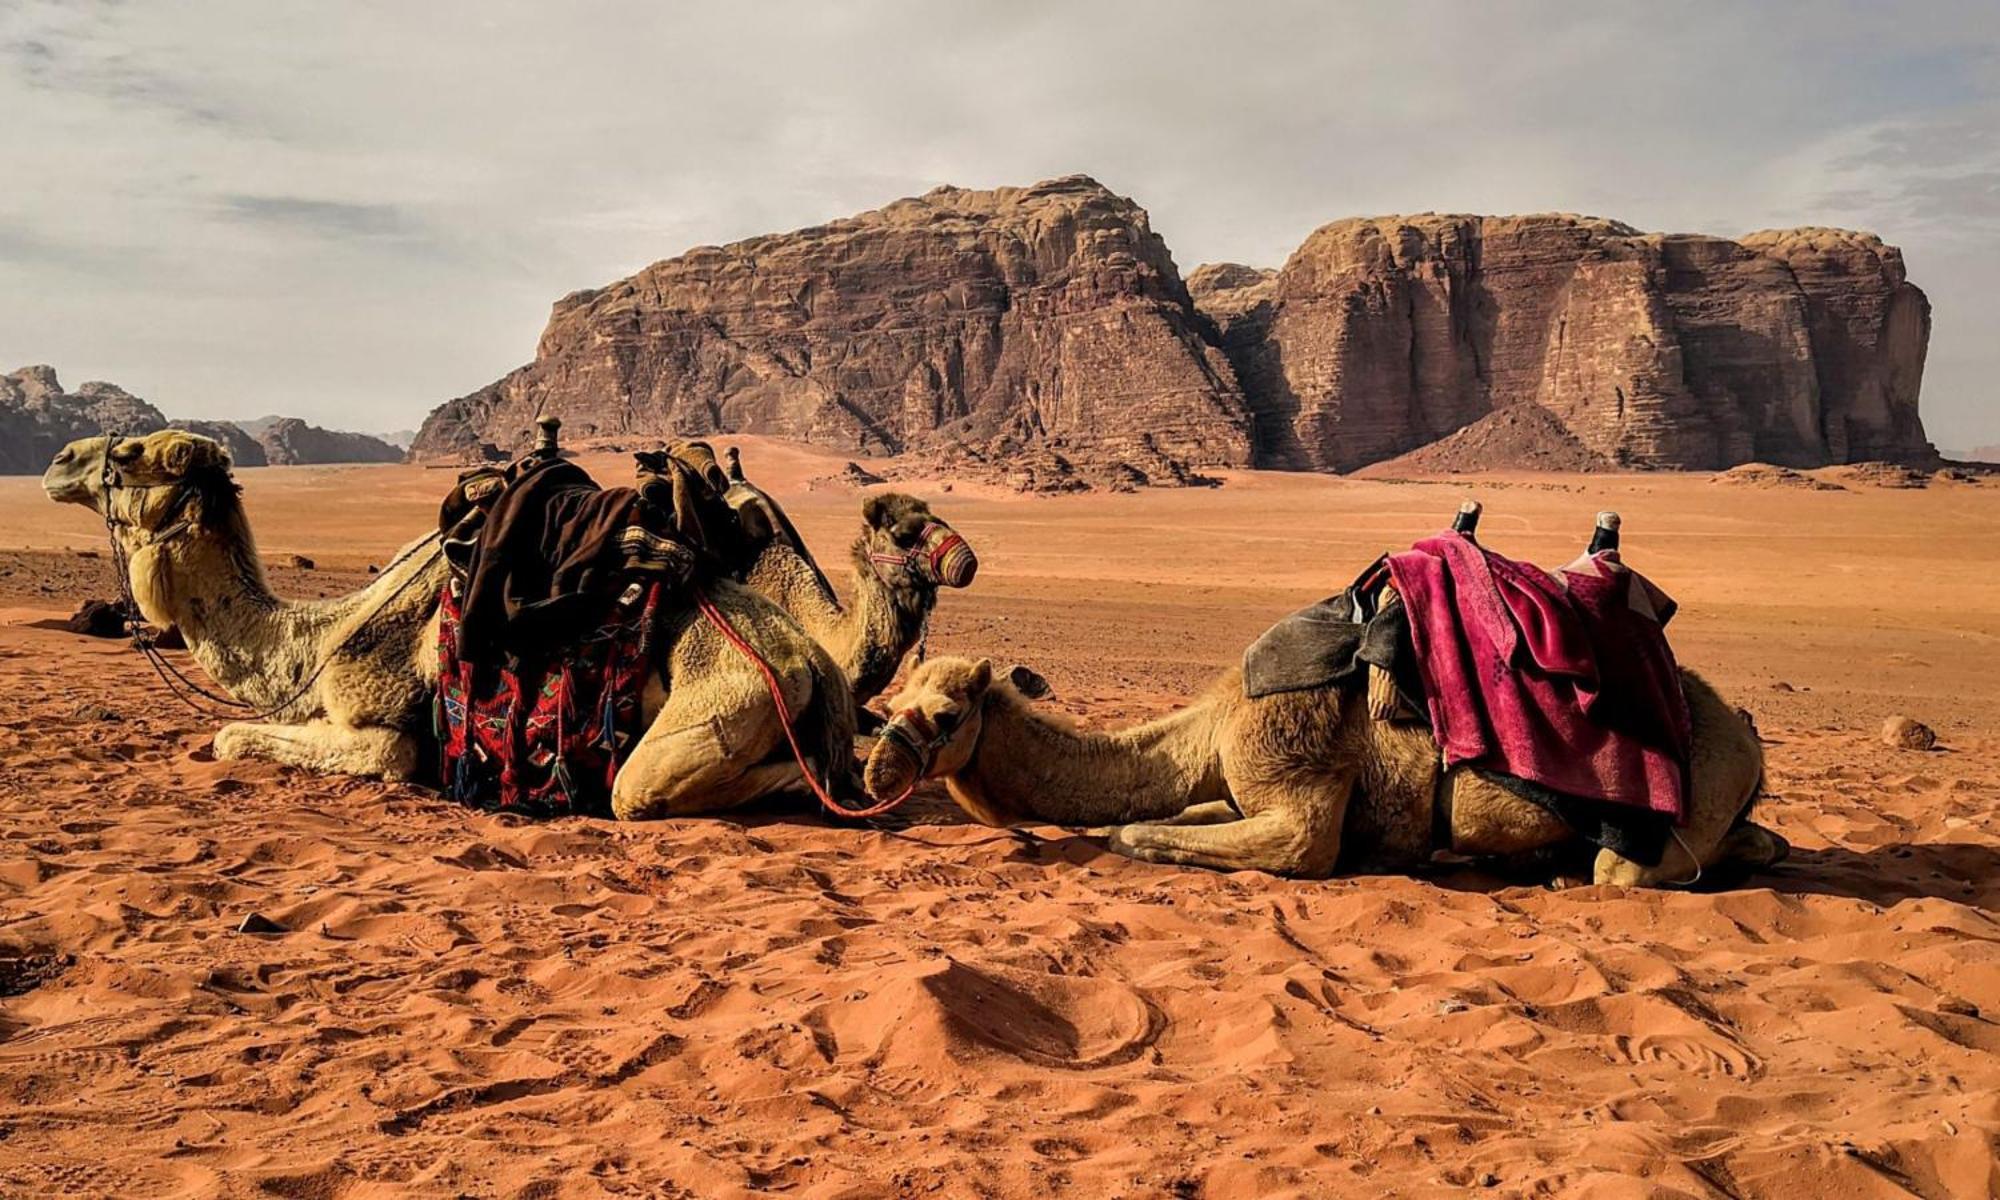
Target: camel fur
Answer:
[[1298, 783], [714, 740], [893, 600]]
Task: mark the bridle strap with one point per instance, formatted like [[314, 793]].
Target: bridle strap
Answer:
[[925, 552]]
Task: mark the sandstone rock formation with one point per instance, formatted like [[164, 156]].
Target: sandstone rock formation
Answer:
[[1047, 322], [244, 450], [38, 418], [1379, 335], [289, 442]]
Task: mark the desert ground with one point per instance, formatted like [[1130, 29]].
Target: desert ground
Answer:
[[466, 1004]]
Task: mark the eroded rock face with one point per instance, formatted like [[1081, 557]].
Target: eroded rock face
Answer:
[[1380, 335], [290, 442], [244, 450], [1014, 321], [38, 418]]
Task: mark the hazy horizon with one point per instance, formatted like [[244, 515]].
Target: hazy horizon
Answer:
[[354, 214]]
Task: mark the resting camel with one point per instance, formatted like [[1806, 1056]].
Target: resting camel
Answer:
[[351, 678], [901, 557], [1295, 783]]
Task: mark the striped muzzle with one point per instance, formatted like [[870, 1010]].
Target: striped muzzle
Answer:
[[940, 557]]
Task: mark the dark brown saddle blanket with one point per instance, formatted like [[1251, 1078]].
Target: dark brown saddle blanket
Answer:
[[537, 547]]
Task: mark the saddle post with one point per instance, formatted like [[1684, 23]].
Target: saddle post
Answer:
[[1605, 536], [1467, 520], [549, 444]]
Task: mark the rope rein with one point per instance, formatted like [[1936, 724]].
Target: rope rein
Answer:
[[178, 684], [715, 617]]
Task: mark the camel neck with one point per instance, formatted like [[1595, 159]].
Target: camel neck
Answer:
[[869, 638], [210, 586], [881, 628], [1046, 768]]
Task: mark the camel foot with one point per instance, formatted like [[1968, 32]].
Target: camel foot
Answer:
[[1752, 847], [374, 750], [1265, 842]]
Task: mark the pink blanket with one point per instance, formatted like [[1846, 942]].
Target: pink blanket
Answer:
[[1562, 678]]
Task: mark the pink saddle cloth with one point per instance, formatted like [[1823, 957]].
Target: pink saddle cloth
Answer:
[[1563, 678]]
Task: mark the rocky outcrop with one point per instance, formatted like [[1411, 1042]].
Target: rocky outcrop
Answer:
[[1379, 335], [38, 418], [290, 442], [1047, 321], [244, 450]]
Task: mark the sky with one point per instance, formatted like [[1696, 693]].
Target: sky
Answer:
[[353, 212]]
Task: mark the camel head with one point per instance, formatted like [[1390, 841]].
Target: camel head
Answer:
[[908, 548], [149, 482], [939, 717]]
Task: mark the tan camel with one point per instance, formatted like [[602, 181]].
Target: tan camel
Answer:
[[902, 556], [359, 670], [1296, 783]]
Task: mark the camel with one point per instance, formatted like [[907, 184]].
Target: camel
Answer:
[[1297, 783], [345, 685], [902, 556]]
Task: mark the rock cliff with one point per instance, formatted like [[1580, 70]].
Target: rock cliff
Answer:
[[1047, 320], [1380, 335], [289, 442], [38, 418]]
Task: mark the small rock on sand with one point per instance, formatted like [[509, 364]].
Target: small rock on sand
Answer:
[[1906, 733], [98, 618]]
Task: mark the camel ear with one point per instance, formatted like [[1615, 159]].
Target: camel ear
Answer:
[[186, 456], [1029, 682]]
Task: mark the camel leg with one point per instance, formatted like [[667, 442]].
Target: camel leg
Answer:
[[680, 770], [373, 750], [1723, 779], [1211, 812], [1289, 827]]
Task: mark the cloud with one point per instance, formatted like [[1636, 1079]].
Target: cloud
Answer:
[[323, 218], [356, 211]]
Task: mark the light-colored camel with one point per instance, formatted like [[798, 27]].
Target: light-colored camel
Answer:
[[360, 670], [1296, 783], [902, 556]]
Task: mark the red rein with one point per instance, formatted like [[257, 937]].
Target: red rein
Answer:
[[714, 617]]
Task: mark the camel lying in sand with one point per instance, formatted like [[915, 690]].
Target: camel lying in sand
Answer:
[[351, 678], [902, 556], [1295, 783]]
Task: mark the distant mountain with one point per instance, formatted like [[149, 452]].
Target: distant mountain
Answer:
[[38, 418], [1050, 325], [291, 442]]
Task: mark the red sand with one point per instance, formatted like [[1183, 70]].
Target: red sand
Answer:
[[472, 1005]]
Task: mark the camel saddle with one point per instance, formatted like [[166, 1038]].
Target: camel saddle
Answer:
[[550, 617]]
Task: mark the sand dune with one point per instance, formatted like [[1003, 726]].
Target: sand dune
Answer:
[[459, 1003]]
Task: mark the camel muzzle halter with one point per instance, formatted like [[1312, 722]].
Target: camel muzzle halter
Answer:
[[940, 556], [917, 738]]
